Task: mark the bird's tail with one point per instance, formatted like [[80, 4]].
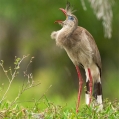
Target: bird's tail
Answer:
[[97, 89], [97, 93]]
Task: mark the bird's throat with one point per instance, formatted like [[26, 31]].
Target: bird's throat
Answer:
[[67, 30]]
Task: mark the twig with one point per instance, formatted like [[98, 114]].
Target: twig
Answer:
[[13, 76]]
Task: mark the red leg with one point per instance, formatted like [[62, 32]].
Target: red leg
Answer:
[[80, 87], [90, 84]]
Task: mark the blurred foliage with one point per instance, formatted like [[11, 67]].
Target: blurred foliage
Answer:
[[25, 28]]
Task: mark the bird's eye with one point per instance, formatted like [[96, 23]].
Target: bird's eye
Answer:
[[71, 18]]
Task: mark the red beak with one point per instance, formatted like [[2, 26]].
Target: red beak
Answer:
[[58, 21], [64, 11]]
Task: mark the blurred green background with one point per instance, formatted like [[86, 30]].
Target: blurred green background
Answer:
[[25, 28]]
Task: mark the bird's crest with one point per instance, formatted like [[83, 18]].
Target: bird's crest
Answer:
[[69, 9]]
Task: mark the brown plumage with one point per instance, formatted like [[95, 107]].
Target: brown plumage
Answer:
[[82, 50]]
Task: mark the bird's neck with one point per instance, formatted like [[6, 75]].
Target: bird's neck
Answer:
[[63, 36], [66, 31]]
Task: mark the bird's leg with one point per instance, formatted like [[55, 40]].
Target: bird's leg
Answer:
[[90, 84], [80, 87]]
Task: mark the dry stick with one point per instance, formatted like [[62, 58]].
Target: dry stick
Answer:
[[25, 72], [5, 71], [25, 87], [21, 92], [13, 76]]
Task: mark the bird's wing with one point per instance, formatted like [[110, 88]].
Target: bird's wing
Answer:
[[96, 54], [82, 39]]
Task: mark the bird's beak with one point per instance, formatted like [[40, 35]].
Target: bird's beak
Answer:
[[64, 11]]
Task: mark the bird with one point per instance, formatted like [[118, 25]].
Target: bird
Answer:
[[82, 50]]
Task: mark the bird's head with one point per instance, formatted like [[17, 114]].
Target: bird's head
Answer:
[[71, 20]]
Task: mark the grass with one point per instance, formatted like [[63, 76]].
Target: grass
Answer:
[[41, 107], [51, 111]]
